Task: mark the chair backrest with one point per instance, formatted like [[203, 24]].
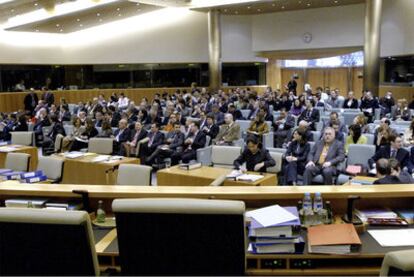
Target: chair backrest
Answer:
[[370, 138], [17, 161], [316, 135], [185, 236], [245, 113], [278, 157], [224, 156], [360, 154], [279, 150], [68, 129], [134, 175], [244, 125], [41, 242], [398, 263], [51, 167], [22, 138], [101, 145], [311, 144]]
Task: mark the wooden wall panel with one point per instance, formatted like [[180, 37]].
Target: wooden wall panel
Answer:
[[357, 83], [338, 78], [316, 77], [287, 75]]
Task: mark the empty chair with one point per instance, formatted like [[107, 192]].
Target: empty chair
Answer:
[[316, 135], [278, 157], [398, 263], [224, 156], [17, 161], [134, 175], [46, 242], [101, 145], [370, 139], [22, 138], [52, 168], [173, 236], [358, 154]]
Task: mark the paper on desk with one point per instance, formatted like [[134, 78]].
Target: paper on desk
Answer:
[[393, 237], [7, 149], [271, 215]]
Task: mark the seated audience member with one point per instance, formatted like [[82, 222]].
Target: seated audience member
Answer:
[[64, 113], [8, 126], [30, 101], [393, 150], [237, 115], [401, 111], [295, 158], [409, 135], [339, 136], [386, 103], [266, 114], [83, 140], [383, 132], [42, 121], [115, 116], [334, 117], [282, 127], [255, 157], [303, 126], [121, 135], [333, 101], [396, 170], [297, 108], [210, 128], [350, 102], [361, 120], [324, 158], [106, 130], [82, 117], [310, 115], [229, 132], [384, 173], [195, 140], [171, 122], [155, 139], [138, 137], [123, 101], [355, 137], [173, 144], [218, 115], [98, 119], [78, 129], [48, 144], [368, 105], [258, 126]]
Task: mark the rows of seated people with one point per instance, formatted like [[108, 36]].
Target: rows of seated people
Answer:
[[175, 126]]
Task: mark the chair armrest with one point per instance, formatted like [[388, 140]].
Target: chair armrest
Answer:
[[268, 140]]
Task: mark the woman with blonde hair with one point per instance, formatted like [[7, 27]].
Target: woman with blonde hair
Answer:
[[78, 129], [401, 111]]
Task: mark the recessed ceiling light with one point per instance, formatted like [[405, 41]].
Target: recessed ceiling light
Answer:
[[12, 10], [78, 19], [248, 7], [259, 10], [137, 4], [80, 25], [98, 14], [61, 30], [336, 2], [57, 25], [36, 4], [118, 9], [100, 19], [308, 4], [119, 14], [283, 7]]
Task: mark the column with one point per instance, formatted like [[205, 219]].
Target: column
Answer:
[[214, 49], [373, 9], [273, 73]]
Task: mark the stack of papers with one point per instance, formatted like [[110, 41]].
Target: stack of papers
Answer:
[[101, 158], [249, 177], [74, 155], [393, 237], [6, 149], [274, 229]]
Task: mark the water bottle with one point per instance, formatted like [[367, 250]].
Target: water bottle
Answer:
[[319, 213], [100, 213], [307, 209]]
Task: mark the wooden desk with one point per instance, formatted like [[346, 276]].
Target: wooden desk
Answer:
[[84, 170], [366, 262], [362, 180], [31, 150], [174, 176]]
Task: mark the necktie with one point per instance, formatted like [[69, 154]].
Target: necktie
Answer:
[[393, 153]]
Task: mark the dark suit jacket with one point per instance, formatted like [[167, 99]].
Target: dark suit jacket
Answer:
[[354, 104], [56, 129], [213, 131], [313, 118], [28, 101], [142, 134], [237, 115], [124, 136], [388, 180], [289, 123], [157, 141], [199, 141], [251, 160], [301, 152], [385, 151], [177, 141], [335, 155], [48, 97]]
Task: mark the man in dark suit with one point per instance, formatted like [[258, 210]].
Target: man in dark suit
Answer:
[[155, 139], [48, 144], [350, 102], [310, 115], [393, 150], [173, 144], [384, 173], [282, 127], [237, 115], [195, 140], [121, 135], [48, 97], [30, 101], [324, 158], [210, 128]]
